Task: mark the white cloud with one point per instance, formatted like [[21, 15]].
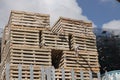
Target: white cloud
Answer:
[[56, 8], [112, 26]]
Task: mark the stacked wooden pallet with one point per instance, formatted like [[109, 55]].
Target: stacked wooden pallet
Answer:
[[25, 72], [29, 19], [86, 61], [28, 39], [27, 56], [81, 60], [54, 41], [25, 29], [20, 44], [83, 42], [15, 70], [82, 53], [71, 26], [78, 74], [80, 32], [4, 43]]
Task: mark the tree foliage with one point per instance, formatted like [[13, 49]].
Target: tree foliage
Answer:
[[108, 46]]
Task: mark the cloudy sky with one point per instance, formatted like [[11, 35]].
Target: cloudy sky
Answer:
[[103, 13]]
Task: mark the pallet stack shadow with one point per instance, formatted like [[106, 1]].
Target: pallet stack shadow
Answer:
[[29, 39]]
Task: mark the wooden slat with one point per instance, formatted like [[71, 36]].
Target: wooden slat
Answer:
[[29, 40]]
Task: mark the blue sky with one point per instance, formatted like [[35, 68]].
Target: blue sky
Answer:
[[100, 12]]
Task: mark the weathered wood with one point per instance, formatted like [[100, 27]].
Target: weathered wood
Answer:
[[29, 40]]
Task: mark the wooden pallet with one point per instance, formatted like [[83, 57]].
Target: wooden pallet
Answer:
[[29, 19], [14, 72], [54, 41], [81, 60], [71, 26], [80, 32], [41, 72], [4, 42], [30, 56], [83, 43], [77, 74], [28, 39]]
